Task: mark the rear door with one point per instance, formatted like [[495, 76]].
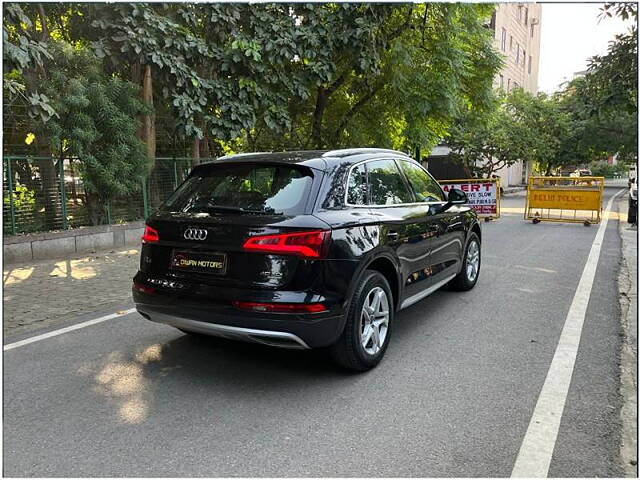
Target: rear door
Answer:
[[203, 226]]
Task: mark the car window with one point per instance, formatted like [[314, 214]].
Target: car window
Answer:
[[425, 188], [386, 185], [256, 188], [357, 187]]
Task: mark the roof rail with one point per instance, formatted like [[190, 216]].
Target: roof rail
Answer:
[[345, 152]]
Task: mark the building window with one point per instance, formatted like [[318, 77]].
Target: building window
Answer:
[[524, 58], [529, 63], [501, 81], [526, 15], [511, 43], [520, 13], [503, 40], [508, 84], [517, 53], [532, 29]]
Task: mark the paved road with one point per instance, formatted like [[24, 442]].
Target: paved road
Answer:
[[453, 397]]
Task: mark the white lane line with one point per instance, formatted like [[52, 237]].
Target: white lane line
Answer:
[[537, 446], [77, 326]]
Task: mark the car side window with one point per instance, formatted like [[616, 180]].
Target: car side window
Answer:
[[357, 187], [425, 188], [386, 185]]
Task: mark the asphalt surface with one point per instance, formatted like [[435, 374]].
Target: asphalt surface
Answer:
[[453, 396]]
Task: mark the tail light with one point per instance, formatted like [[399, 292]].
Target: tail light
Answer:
[[311, 244], [280, 307], [150, 235]]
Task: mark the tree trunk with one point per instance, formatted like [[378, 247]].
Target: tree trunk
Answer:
[[149, 120], [95, 209], [49, 177], [352, 111], [195, 152], [318, 113], [50, 188], [43, 22], [147, 131], [206, 151]]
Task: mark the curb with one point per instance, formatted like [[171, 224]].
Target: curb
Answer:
[[628, 297]]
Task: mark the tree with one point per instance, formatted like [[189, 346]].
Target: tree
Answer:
[[546, 128], [96, 123], [394, 76], [603, 103], [521, 127], [26, 49]]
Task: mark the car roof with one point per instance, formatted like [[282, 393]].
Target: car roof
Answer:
[[319, 159]]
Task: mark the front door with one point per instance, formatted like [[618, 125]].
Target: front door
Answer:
[[444, 230], [403, 222]]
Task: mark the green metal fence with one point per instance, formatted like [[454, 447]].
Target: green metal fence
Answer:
[[43, 194]]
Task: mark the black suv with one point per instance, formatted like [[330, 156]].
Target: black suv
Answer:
[[305, 249]]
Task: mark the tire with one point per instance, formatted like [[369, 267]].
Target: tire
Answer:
[[351, 351], [467, 278]]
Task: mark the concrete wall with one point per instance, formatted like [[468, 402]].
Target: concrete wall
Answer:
[[39, 246]]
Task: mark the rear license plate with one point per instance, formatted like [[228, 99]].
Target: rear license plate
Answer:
[[213, 263]]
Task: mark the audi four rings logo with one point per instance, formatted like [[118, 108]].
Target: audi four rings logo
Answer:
[[195, 234]]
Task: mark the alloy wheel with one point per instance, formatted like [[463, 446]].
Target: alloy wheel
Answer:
[[374, 321], [473, 260]]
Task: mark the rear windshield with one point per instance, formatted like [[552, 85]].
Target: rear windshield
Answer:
[[257, 189]]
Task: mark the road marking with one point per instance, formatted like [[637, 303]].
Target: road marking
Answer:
[[539, 442], [77, 326]]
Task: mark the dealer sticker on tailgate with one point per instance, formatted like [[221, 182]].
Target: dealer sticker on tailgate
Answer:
[[215, 263]]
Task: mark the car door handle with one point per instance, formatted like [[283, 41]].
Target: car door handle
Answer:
[[436, 228], [393, 235]]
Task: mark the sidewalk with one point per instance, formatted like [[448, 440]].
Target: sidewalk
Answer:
[[47, 292], [628, 296]]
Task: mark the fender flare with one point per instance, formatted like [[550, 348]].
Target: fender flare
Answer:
[[369, 258]]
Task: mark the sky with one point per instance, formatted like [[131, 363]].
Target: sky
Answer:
[[570, 34]]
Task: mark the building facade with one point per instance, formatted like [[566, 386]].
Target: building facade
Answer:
[[516, 33], [516, 29]]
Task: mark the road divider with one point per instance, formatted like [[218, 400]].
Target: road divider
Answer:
[[564, 199], [483, 193]]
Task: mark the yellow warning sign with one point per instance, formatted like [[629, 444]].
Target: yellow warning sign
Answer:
[[565, 200]]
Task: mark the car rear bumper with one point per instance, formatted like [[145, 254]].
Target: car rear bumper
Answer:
[[266, 337], [215, 315]]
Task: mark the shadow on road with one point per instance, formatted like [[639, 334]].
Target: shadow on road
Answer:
[[208, 367]]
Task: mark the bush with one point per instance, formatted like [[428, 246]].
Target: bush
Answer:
[[603, 169]]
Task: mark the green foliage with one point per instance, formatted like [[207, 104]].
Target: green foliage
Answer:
[[521, 126], [24, 199], [284, 75], [603, 104], [422, 65], [603, 169], [23, 51], [96, 123]]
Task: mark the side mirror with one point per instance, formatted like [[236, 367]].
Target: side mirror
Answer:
[[457, 197]]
